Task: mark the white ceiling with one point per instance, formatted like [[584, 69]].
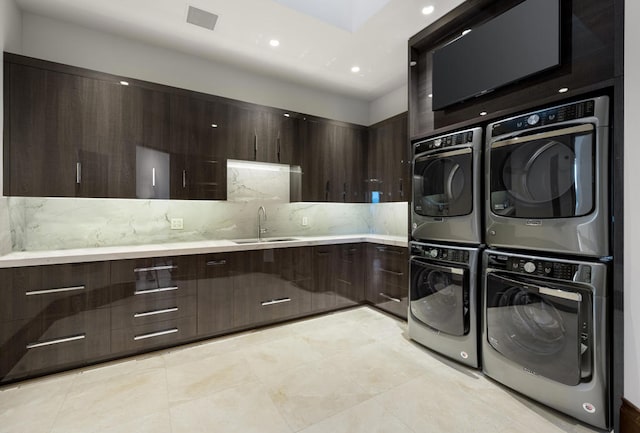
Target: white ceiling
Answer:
[[312, 51]]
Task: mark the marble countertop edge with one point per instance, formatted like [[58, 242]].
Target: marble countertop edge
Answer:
[[79, 255]]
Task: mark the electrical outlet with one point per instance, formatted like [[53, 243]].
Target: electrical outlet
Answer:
[[177, 224], [305, 221]]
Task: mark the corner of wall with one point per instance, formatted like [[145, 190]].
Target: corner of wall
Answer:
[[388, 105]]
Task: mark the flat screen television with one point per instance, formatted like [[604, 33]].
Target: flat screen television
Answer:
[[522, 41]]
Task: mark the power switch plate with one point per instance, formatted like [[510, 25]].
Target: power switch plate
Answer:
[[177, 224], [305, 221]]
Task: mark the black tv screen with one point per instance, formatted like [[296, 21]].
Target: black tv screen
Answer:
[[520, 42]]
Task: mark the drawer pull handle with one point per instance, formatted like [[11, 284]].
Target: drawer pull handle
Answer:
[[387, 250], [155, 334], [49, 291], [322, 253], [397, 274], [217, 263], [146, 292], [156, 268], [345, 281], [275, 301], [391, 298], [153, 313], [56, 341]]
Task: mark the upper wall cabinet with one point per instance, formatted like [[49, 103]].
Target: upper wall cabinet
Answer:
[[63, 135], [388, 162], [333, 162]]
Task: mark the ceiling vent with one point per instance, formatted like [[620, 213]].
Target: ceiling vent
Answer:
[[201, 18]]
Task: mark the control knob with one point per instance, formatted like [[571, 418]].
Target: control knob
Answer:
[[529, 267], [533, 119], [437, 143], [433, 253]]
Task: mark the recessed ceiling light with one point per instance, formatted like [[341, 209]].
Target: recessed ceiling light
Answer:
[[124, 83], [563, 90], [430, 95], [483, 113], [464, 32], [355, 69], [214, 125], [427, 10], [274, 42], [287, 115]]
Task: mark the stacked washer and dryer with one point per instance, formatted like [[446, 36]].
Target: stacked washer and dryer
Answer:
[[540, 317]]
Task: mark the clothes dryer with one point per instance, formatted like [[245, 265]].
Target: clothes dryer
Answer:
[[446, 202], [547, 180]]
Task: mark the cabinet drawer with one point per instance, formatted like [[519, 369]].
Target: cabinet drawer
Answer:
[[35, 346], [391, 298], [140, 293], [53, 291], [391, 257], [384, 276], [160, 270], [153, 335], [150, 309], [267, 303]]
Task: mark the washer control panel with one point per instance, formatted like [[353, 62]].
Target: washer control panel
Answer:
[[545, 268], [440, 253]]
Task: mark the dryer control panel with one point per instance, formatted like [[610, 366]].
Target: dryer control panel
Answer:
[[440, 253], [545, 268], [545, 117], [444, 141]]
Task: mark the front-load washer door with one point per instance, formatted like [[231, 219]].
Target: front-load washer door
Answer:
[[546, 174], [439, 297], [544, 327], [443, 184]]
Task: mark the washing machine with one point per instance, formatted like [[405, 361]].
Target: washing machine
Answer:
[[547, 180], [544, 333], [443, 300], [446, 202]]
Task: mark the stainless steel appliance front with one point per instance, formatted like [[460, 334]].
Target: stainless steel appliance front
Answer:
[[545, 331], [443, 299], [547, 180], [446, 189]]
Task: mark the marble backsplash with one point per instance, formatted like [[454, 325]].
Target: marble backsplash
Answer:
[[61, 223]]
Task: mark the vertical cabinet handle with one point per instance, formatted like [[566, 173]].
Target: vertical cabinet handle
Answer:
[[278, 149], [184, 178], [401, 189], [255, 146], [153, 177], [326, 191], [344, 192], [78, 173]]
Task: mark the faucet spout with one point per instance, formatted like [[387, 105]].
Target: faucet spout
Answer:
[[262, 214]]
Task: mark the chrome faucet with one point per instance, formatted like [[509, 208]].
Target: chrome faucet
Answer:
[[262, 212]]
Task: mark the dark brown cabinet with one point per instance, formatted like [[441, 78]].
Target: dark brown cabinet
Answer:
[[153, 303], [338, 276], [65, 135], [388, 278], [215, 292], [333, 162], [271, 285], [388, 163], [53, 317]]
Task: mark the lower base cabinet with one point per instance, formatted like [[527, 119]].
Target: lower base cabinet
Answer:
[[58, 317], [387, 278]]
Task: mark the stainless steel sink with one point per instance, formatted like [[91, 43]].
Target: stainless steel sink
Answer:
[[256, 240]]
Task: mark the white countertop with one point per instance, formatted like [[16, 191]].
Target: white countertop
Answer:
[[78, 255]]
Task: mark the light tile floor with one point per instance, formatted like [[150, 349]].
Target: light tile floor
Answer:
[[348, 372]]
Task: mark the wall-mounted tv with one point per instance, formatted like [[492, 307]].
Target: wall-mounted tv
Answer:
[[520, 42]]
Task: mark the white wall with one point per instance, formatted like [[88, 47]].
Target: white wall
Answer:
[[394, 102], [63, 42], [631, 204]]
